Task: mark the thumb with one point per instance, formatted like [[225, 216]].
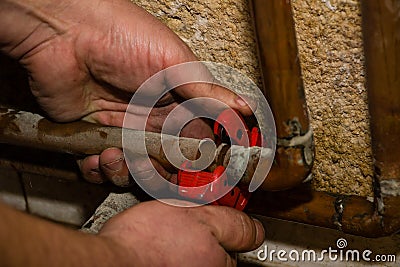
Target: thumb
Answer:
[[233, 229]]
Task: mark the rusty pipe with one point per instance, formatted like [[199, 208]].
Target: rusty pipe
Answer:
[[350, 214], [34, 161], [379, 216], [381, 31], [283, 87], [83, 138]]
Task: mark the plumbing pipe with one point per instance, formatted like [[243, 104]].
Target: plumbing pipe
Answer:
[[83, 138], [283, 87], [35, 161], [381, 29], [379, 216], [350, 214]]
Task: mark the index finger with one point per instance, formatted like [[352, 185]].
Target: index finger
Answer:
[[196, 81]]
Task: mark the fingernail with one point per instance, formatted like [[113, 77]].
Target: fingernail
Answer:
[[122, 181], [95, 170], [240, 101], [145, 175], [246, 101], [93, 176], [115, 165], [260, 233]]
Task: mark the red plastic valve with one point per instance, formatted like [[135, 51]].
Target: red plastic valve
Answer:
[[193, 181], [227, 119], [239, 196], [189, 183]]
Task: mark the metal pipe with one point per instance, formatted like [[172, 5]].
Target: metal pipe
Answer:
[[24, 167], [381, 29], [283, 87], [352, 214], [83, 138]]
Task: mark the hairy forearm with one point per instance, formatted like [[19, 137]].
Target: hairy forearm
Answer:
[[29, 241]]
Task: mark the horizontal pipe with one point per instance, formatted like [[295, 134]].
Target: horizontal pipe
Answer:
[[350, 214], [83, 138], [27, 160]]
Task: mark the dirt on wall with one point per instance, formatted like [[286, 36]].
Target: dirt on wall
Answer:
[[331, 55]]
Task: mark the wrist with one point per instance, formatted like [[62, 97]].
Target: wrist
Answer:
[[121, 250], [104, 251]]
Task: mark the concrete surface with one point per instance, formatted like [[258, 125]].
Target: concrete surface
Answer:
[[67, 202]]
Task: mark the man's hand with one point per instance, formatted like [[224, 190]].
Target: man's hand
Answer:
[[157, 234], [86, 59], [149, 234]]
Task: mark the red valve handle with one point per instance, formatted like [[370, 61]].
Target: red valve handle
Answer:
[[190, 183], [189, 187], [227, 119]]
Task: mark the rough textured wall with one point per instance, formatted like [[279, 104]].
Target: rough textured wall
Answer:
[[331, 55], [216, 30]]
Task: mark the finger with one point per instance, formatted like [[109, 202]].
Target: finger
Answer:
[[195, 90], [194, 80], [113, 166], [89, 167], [234, 230], [106, 117], [148, 173], [197, 128]]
